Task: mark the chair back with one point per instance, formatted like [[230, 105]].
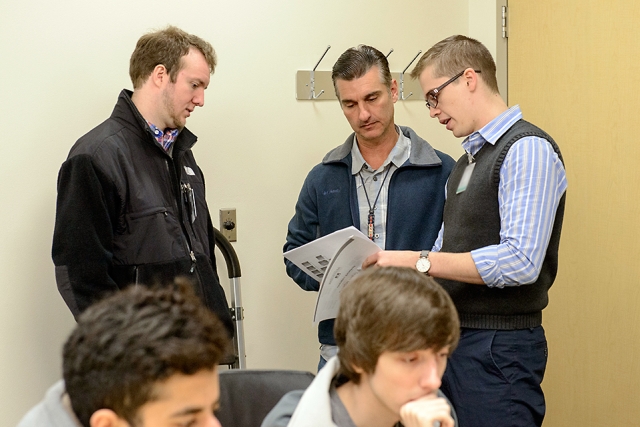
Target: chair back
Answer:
[[247, 395]]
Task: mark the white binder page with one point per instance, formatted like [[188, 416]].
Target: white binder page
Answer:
[[345, 264], [314, 257]]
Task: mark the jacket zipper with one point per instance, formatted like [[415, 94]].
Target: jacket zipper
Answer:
[[178, 206]]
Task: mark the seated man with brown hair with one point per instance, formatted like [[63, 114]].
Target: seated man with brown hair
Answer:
[[139, 358], [395, 330]]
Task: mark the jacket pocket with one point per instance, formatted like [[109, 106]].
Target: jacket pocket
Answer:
[[148, 212], [152, 235]]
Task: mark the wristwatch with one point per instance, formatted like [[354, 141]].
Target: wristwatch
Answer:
[[423, 264]]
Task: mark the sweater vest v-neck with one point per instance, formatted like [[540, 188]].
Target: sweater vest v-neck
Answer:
[[472, 221]]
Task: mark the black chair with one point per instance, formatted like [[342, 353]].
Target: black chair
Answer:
[[247, 395]]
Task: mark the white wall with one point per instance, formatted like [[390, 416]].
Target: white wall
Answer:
[[63, 64], [485, 24]]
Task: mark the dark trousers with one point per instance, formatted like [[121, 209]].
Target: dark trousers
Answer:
[[493, 378]]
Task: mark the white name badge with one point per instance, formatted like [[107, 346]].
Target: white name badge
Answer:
[[466, 176]]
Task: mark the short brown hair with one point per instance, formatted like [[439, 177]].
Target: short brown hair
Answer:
[[124, 345], [355, 62], [166, 47], [391, 309], [457, 53]]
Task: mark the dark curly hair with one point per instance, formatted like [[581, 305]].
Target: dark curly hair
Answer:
[[126, 343]]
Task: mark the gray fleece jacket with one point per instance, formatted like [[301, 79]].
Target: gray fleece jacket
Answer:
[[51, 411]]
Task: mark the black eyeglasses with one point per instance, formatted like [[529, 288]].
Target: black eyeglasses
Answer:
[[432, 95]]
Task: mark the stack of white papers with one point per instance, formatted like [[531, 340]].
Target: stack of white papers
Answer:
[[332, 260]]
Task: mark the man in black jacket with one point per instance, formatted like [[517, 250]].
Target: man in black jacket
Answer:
[[131, 199]]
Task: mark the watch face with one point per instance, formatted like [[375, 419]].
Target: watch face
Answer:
[[423, 265]]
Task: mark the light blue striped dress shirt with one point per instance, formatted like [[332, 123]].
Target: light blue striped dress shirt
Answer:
[[532, 181]]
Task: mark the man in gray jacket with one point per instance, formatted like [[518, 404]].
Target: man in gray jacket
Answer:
[[140, 358], [395, 329]]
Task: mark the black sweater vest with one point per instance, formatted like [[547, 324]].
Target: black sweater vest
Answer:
[[472, 221]]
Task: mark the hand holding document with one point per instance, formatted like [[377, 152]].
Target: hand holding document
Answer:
[[332, 260]]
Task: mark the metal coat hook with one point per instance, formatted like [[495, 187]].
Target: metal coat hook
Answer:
[[402, 97], [312, 82]]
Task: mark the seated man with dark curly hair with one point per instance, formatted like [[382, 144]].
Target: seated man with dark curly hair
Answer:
[[139, 358], [395, 331]]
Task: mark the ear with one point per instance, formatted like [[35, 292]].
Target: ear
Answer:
[[159, 75], [471, 78], [394, 90], [106, 418], [358, 369]]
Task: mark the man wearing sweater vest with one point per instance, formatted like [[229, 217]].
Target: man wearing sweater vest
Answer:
[[497, 250]]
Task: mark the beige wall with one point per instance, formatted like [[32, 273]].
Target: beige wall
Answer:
[[63, 64], [574, 77]]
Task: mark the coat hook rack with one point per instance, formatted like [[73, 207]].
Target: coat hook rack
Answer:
[[316, 84], [402, 97], [312, 81]]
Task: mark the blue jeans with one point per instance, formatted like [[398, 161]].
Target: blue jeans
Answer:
[[326, 352], [493, 378]]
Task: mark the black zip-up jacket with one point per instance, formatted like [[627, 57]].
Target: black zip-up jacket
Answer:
[[128, 213]]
